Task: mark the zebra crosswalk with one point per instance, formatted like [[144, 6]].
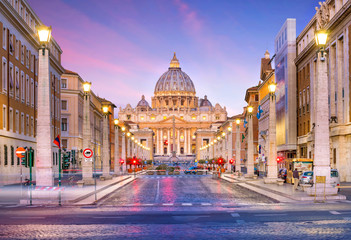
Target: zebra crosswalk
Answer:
[[172, 176]]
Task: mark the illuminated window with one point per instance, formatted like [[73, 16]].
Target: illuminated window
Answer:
[[204, 117], [193, 117], [181, 117], [164, 117], [152, 117], [142, 118]]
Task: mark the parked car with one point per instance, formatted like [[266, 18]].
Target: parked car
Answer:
[[307, 178], [191, 170]]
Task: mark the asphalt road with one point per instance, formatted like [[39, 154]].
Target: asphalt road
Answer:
[[184, 207]]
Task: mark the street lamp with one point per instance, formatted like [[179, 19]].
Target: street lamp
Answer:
[[44, 166], [250, 146], [87, 171], [237, 146], [116, 166], [272, 170], [321, 161], [44, 34], [105, 144]]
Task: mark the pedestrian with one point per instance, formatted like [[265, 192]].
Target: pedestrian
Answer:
[[296, 178]]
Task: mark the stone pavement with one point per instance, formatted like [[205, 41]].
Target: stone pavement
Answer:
[[281, 193]]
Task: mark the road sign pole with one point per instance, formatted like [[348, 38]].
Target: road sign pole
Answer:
[[59, 183], [95, 176]]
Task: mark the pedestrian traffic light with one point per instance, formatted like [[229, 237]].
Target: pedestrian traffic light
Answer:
[[231, 161], [121, 161]]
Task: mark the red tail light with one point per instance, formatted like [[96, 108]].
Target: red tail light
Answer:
[[304, 177]]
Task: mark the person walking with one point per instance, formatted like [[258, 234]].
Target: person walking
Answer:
[[296, 178]]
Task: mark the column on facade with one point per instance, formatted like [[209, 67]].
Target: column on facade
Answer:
[[178, 141], [161, 142], [332, 79], [186, 141], [272, 173], [189, 141], [340, 75], [116, 167], [157, 141], [134, 152], [124, 157], [169, 142], [105, 148], [128, 148]]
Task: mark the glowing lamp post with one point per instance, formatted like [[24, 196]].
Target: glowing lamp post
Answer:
[[116, 165], [105, 144], [272, 171], [250, 145], [44, 166], [237, 147]]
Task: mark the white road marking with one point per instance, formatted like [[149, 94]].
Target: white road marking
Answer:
[[334, 212], [28, 217], [187, 204], [240, 221], [167, 204], [270, 214], [235, 214], [206, 204], [347, 218], [147, 204], [157, 191], [224, 204], [109, 217]]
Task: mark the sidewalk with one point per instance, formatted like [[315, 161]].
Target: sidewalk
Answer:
[[284, 193], [74, 195]]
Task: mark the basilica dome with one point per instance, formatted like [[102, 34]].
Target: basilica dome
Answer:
[[174, 81]]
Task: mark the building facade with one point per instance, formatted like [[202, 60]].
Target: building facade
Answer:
[[285, 77], [175, 104], [72, 100], [19, 50], [336, 17]]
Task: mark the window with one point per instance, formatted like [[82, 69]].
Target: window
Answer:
[[17, 86], [64, 124], [17, 50], [4, 74], [64, 104], [11, 80], [22, 54], [11, 44], [23, 87], [17, 121], [27, 58], [31, 126], [27, 124], [4, 117], [22, 123], [256, 97], [4, 38], [32, 92], [5, 155], [64, 143], [12, 156], [11, 119], [27, 89], [32, 63]]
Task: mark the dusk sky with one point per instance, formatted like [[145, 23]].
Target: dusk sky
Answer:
[[124, 46]]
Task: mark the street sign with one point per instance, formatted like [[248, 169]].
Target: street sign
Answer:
[[87, 153], [20, 151], [320, 179]]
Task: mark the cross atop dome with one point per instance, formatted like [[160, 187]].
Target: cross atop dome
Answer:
[[174, 62]]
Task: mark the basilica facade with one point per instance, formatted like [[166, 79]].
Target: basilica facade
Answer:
[[177, 120]]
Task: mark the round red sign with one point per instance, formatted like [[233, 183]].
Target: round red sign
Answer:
[[88, 153]]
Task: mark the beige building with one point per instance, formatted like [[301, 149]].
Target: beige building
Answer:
[[19, 48], [72, 98], [336, 17], [194, 118]]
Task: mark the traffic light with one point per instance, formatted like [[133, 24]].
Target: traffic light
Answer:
[[231, 161], [121, 161], [24, 159], [66, 160], [73, 154], [165, 142]]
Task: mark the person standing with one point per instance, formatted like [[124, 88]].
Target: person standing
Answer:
[[296, 178]]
